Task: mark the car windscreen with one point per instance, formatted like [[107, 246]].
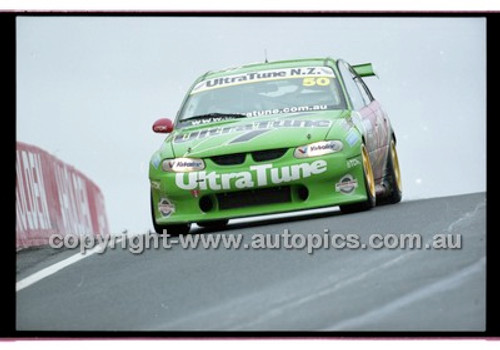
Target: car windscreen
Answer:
[[294, 90]]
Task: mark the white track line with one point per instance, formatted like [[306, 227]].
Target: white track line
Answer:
[[52, 269]]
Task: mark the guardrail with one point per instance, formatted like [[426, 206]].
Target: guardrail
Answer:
[[54, 197]]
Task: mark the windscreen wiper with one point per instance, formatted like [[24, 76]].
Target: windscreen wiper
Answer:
[[215, 116]]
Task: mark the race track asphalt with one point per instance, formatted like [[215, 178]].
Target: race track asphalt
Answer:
[[282, 289]]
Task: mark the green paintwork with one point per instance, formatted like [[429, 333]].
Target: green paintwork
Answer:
[[321, 185], [364, 70], [218, 144]]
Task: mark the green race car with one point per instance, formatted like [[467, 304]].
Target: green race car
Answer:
[[270, 138]]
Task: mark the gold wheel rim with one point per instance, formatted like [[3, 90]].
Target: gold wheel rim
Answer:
[[368, 171], [395, 165]]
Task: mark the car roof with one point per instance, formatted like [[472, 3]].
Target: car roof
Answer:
[[295, 63]]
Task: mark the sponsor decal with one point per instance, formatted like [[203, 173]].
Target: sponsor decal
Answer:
[[347, 124], [261, 125], [271, 74], [318, 149], [165, 207], [155, 185], [155, 160], [259, 175], [292, 109], [351, 163], [260, 113], [346, 185], [208, 120], [183, 165], [302, 150], [352, 137], [325, 146]]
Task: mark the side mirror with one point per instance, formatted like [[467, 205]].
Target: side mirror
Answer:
[[163, 126]]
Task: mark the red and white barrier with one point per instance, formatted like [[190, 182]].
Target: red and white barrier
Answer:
[[53, 197]]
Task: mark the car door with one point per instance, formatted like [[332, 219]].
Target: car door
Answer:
[[381, 131], [364, 115], [382, 127]]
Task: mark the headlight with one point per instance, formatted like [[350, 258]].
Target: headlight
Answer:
[[183, 165], [318, 149]]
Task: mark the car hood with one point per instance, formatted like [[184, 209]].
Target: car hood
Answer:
[[253, 134]]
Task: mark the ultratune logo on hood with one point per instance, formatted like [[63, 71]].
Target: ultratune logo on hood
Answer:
[[261, 126], [259, 175]]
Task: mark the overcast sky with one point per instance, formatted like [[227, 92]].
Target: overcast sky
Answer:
[[89, 89]]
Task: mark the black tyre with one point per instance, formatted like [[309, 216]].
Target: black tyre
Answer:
[[213, 224], [369, 181], [393, 177]]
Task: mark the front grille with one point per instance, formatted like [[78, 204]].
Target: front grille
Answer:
[[258, 156], [229, 159], [248, 198], [262, 156]]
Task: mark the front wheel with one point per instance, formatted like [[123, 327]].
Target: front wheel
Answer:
[[369, 181], [394, 176], [172, 230], [213, 224]]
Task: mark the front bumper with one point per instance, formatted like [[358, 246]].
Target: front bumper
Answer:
[[256, 188]]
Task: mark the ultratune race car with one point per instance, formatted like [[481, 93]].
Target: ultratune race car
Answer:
[[270, 138]]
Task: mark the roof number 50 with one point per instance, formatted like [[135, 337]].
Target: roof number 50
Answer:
[[311, 81]]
